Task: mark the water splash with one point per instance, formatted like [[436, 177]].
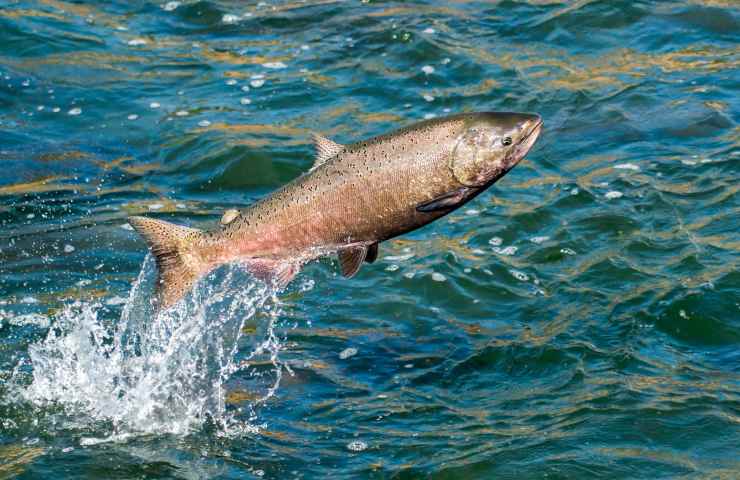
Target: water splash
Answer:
[[155, 374]]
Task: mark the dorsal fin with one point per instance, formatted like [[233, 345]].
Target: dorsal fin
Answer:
[[351, 258], [229, 216], [325, 149]]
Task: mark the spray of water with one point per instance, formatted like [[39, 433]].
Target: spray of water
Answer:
[[155, 374]]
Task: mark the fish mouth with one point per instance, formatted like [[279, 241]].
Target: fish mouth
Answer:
[[527, 142]]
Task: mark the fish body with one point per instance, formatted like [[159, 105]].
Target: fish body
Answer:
[[354, 197]]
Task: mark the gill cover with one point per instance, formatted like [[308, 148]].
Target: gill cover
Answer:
[[476, 153]]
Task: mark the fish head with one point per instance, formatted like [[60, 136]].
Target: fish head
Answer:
[[492, 143]]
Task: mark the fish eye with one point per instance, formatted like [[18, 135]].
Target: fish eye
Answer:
[[506, 141]]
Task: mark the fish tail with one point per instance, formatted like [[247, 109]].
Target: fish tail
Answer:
[[178, 264]]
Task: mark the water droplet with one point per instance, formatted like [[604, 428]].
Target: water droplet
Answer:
[[231, 81], [75, 111], [356, 446], [392, 267], [69, 248], [567, 251], [428, 69], [56, 109], [438, 277], [133, 116], [204, 123], [539, 240], [245, 101], [613, 194], [521, 276], [495, 241], [257, 83], [137, 42], [154, 105], [428, 98]]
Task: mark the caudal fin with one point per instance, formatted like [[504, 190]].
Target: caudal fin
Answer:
[[172, 247]]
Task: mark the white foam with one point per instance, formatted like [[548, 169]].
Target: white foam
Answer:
[[613, 194], [170, 6], [74, 111], [495, 241], [438, 277], [204, 123], [257, 83], [429, 116], [155, 206], [154, 105], [116, 300], [428, 69], [231, 81], [539, 240], [429, 31], [154, 374], [627, 166], [69, 248], [245, 101], [347, 353], [428, 98], [182, 113], [275, 65], [510, 250], [133, 116], [230, 18], [136, 42], [567, 251], [30, 319]]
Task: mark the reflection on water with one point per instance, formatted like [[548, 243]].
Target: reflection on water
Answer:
[[579, 320]]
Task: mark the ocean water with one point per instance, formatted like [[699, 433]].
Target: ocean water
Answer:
[[579, 320]]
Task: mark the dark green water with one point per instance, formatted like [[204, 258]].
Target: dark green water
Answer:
[[580, 320]]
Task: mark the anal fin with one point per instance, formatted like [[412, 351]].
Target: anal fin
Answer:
[[278, 273], [372, 253]]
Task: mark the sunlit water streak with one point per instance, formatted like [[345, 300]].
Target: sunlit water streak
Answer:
[[163, 373]]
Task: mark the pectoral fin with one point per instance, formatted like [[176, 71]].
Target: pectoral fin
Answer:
[[350, 260], [448, 201]]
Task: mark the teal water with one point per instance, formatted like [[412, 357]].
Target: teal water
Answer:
[[579, 320]]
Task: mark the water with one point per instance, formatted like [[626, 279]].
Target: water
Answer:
[[580, 320]]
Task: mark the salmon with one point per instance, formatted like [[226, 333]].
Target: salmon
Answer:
[[353, 198]]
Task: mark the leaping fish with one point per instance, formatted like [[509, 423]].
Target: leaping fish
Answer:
[[352, 199]]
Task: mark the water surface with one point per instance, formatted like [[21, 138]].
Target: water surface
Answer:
[[580, 320]]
